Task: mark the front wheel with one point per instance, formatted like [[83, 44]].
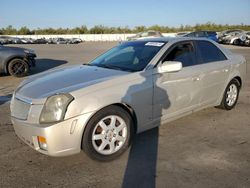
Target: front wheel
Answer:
[[18, 68], [108, 133], [231, 95]]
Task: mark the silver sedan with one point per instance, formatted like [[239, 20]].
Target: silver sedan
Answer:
[[131, 88]]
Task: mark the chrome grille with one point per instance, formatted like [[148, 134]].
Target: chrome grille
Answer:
[[20, 109]]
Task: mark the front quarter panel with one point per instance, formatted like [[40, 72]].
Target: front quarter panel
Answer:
[[134, 90]]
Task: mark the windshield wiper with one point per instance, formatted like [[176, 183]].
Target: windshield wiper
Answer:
[[114, 67], [87, 64]]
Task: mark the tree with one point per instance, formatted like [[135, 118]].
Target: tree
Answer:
[[9, 30], [100, 29], [24, 31]]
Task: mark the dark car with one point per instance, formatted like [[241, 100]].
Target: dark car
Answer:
[[41, 41], [62, 41], [16, 61], [205, 34]]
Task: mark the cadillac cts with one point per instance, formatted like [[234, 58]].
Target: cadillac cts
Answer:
[[131, 88]]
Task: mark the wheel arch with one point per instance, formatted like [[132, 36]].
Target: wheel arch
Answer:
[[6, 64], [125, 107], [238, 78]]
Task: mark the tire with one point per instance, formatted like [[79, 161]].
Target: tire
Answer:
[[100, 124], [225, 103], [236, 42], [18, 68]]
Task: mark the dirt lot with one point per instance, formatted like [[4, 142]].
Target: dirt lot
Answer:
[[206, 149]]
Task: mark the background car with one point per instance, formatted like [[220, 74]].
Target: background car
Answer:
[[205, 34], [230, 36], [180, 34], [247, 41], [41, 41], [16, 61], [144, 35], [75, 41]]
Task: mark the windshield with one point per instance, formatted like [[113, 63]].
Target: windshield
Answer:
[[131, 56]]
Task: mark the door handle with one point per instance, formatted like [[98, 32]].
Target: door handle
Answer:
[[196, 79]]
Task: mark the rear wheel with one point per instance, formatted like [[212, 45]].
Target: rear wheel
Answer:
[[236, 42], [231, 95], [108, 134], [18, 68]]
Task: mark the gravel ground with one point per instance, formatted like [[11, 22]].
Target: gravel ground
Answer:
[[209, 148]]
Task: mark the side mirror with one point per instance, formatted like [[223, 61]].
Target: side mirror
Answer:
[[170, 66]]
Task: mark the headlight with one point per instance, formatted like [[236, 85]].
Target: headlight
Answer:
[[29, 51], [55, 108]]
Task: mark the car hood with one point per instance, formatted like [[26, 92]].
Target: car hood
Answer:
[[12, 48], [65, 80]]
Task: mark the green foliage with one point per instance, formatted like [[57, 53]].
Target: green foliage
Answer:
[[24, 31], [100, 29]]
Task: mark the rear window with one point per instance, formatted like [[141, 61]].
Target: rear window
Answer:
[[211, 33], [209, 52], [200, 34], [190, 35]]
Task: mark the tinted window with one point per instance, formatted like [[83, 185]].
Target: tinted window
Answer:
[[151, 33], [200, 34], [209, 52], [211, 33], [184, 53], [190, 35]]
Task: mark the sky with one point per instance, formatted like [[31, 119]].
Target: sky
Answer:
[[131, 13]]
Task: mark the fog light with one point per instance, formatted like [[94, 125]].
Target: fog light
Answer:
[[42, 143]]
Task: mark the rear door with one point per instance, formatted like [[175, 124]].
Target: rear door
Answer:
[[215, 71]]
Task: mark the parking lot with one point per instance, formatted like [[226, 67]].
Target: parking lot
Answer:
[[209, 148]]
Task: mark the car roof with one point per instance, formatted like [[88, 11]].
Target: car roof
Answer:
[[170, 39]]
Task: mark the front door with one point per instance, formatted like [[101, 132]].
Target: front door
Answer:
[[178, 92]]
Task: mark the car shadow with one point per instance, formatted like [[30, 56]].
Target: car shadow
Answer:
[[141, 169], [46, 64], [142, 160], [4, 99], [43, 65]]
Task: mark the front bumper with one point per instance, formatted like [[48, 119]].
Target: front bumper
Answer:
[[63, 138], [30, 58]]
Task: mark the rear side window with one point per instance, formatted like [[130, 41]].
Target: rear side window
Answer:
[[190, 35], [211, 33], [209, 52], [184, 53], [200, 34]]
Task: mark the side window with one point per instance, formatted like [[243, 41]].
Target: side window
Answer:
[[184, 53], [209, 52], [200, 34], [190, 35]]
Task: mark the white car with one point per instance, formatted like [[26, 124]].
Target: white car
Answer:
[[133, 87]]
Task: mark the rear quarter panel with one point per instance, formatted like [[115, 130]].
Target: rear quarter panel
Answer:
[[238, 69]]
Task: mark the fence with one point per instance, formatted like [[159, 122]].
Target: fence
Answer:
[[88, 37]]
